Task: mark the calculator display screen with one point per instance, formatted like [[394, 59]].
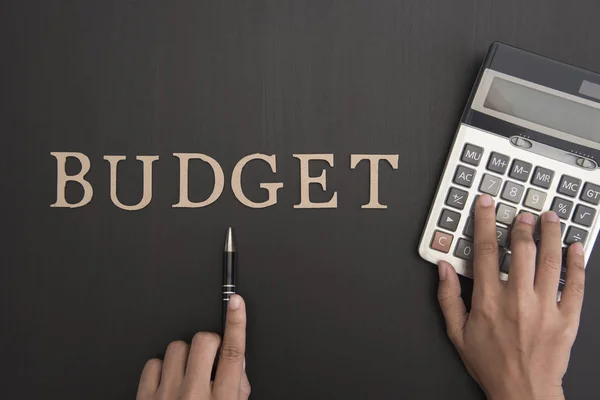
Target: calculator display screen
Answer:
[[544, 109]]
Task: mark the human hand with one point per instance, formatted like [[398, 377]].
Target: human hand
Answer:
[[186, 371], [516, 340]]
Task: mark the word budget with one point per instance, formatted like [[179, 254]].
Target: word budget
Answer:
[[62, 178]]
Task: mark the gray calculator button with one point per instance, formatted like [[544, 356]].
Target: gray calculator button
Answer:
[[498, 163], [542, 177], [490, 184], [520, 170], [449, 220], [591, 193], [569, 185], [535, 199], [535, 216], [562, 227], [469, 230], [505, 214], [513, 192], [464, 176], [473, 204], [562, 207], [505, 265], [575, 235], [584, 215], [472, 154], [464, 249], [457, 198], [502, 236]]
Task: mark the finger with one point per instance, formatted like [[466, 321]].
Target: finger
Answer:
[[485, 263], [150, 379], [572, 294], [200, 361], [174, 366], [245, 388], [549, 259], [231, 357], [452, 305], [522, 266]]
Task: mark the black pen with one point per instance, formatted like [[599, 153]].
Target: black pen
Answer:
[[228, 274]]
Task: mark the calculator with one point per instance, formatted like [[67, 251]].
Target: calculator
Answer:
[[529, 137]]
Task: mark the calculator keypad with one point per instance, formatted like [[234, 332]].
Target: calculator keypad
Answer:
[[562, 207], [457, 198], [518, 186], [498, 163], [513, 192], [569, 185], [464, 176], [591, 193], [520, 170]]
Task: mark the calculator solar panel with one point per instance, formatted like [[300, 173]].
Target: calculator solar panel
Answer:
[[525, 160]]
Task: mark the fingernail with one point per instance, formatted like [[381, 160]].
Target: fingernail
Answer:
[[442, 271], [527, 218], [550, 216], [235, 301], [577, 248], [485, 200]]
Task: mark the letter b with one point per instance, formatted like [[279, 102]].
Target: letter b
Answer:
[[62, 178]]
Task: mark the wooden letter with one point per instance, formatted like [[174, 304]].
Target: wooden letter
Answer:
[[184, 201], [147, 191], [374, 159], [236, 181], [306, 180], [62, 178]]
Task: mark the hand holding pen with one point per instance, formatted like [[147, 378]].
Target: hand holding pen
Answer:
[[186, 371]]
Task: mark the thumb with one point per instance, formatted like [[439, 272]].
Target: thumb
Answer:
[[453, 306]]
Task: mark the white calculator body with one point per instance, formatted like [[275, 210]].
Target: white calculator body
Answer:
[[529, 137]]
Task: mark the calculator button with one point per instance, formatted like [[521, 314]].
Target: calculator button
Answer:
[[469, 227], [464, 249], [591, 193], [502, 236], [569, 185], [457, 198], [441, 241], [575, 235], [505, 265], [535, 199], [542, 177], [562, 228], [512, 192], [498, 163], [473, 204], [535, 216], [562, 207], [449, 220], [505, 214], [520, 170], [584, 215], [472, 154], [464, 176], [490, 184]]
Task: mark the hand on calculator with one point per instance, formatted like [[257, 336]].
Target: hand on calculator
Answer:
[[516, 340]]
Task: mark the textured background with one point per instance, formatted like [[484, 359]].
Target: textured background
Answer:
[[340, 305]]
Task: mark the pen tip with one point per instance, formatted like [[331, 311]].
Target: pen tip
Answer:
[[229, 244]]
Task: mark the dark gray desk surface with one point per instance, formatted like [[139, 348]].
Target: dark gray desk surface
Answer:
[[341, 306]]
